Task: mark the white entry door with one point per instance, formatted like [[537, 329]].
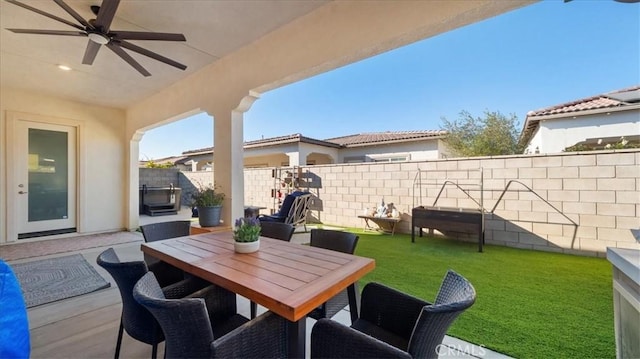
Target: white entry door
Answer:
[[45, 178]]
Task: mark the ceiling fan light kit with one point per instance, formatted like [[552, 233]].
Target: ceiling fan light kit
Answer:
[[99, 33]]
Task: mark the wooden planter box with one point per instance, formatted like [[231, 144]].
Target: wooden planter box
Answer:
[[446, 220]]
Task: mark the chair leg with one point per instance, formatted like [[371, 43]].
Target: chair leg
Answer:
[[154, 346], [254, 309], [119, 341]]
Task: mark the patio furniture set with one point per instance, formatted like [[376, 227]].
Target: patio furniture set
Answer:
[[196, 315]]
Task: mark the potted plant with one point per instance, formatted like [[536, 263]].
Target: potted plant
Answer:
[[208, 201], [246, 235]]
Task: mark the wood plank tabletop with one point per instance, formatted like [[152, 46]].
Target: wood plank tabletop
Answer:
[[287, 278]]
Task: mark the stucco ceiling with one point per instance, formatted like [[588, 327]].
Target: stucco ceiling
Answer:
[[212, 28]]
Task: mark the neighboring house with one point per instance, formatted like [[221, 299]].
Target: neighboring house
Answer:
[[601, 120], [298, 150]]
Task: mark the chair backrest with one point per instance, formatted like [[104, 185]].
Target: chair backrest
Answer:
[[340, 241], [164, 230], [277, 230], [456, 294], [285, 208], [136, 320], [184, 322], [299, 208]]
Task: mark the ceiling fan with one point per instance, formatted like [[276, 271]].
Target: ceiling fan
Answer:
[[99, 33]]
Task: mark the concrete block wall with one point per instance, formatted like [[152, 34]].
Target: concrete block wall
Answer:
[[579, 202], [158, 177]]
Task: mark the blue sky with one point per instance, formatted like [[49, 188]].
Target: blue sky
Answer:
[[538, 56]]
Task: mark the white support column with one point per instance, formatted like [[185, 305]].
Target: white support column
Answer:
[[194, 165], [132, 213], [298, 158], [228, 157], [294, 158]]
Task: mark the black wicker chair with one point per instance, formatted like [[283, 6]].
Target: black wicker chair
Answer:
[[135, 319], [395, 324], [277, 230], [157, 232], [191, 331], [340, 241]]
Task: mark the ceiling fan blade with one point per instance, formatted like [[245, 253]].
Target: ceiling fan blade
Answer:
[[140, 35], [151, 54], [126, 57], [45, 14], [90, 53], [48, 32], [74, 14], [105, 14]]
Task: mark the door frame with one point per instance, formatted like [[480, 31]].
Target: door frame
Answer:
[[12, 220]]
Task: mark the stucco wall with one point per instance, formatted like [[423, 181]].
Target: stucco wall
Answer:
[[599, 191], [102, 156]]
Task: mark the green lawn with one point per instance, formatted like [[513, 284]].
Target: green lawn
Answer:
[[530, 304]]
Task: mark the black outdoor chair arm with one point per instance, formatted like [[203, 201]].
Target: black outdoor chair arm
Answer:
[[330, 339], [390, 309], [262, 337]]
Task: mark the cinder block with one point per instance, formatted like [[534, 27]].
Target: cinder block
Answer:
[[563, 172], [597, 172], [547, 229], [507, 173], [524, 172], [507, 215], [547, 161], [615, 235], [518, 226], [517, 205], [539, 184], [579, 160], [598, 196], [392, 167], [632, 171], [615, 159], [579, 184], [628, 245], [447, 165], [598, 220], [533, 216], [565, 196], [411, 167], [561, 242], [627, 222], [533, 239], [522, 162], [507, 237], [494, 224], [469, 165], [618, 184], [578, 207], [593, 245], [612, 209], [493, 163]]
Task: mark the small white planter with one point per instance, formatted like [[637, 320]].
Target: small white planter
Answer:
[[246, 247]]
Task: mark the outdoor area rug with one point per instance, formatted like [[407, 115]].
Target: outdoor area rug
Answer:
[[48, 280]]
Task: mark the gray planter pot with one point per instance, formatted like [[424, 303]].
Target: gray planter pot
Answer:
[[209, 216]]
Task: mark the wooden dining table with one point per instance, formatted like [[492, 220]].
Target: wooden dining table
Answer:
[[287, 278]]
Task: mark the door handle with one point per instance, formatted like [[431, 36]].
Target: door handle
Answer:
[[22, 192]]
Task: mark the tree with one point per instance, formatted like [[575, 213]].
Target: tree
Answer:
[[491, 135]]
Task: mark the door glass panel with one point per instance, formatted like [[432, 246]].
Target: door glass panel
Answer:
[[48, 175]]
